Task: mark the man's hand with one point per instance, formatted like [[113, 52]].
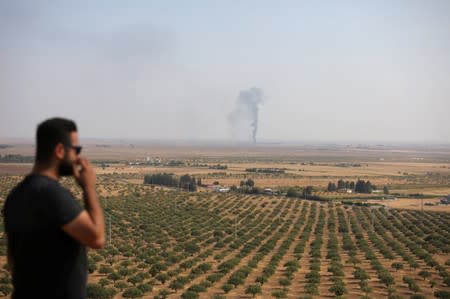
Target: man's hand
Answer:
[[89, 226], [84, 174]]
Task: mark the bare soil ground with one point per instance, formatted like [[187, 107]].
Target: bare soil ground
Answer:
[[414, 204]]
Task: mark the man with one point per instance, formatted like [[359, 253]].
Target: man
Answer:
[[47, 229]]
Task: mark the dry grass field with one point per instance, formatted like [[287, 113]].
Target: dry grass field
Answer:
[[403, 169]]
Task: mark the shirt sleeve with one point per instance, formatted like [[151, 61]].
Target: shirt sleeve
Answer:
[[61, 206]]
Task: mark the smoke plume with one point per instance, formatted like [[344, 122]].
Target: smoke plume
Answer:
[[244, 117]]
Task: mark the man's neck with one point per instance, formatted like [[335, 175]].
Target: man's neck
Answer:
[[46, 170]]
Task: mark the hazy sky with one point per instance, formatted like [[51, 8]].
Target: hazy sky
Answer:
[[328, 70]]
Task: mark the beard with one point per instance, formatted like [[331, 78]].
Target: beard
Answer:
[[65, 168]]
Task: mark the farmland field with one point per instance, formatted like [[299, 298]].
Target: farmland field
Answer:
[[167, 243]]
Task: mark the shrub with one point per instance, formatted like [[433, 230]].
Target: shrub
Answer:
[[120, 285], [284, 282], [162, 277], [386, 278], [145, 287], [280, 293], [227, 287], [132, 293], [96, 291], [338, 289], [197, 288], [424, 274], [5, 289], [442, 294], [397, 266], [190, 295], [253, 289], [312, 289]]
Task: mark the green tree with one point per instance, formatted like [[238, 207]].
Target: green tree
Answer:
[[292, 193], [227, 287], [120, 285], [5, 289], [135, 279], [284, 282], [114, 276], [163, 294], [190, 295], [96, 291], [307, 191], [105, 270], [280, 293], [156, 268], [386, 278], [331, 187], [162, 277], [188, 183], [176, 285], [312, 289], [360, 274], [191, 248], [442, 294], [104, 281], [145, 287], [91, 266], [132, 293], [250, 183], [253, 289], [433, 283], [424, 274], [338, 289], [397, 266], [366, 290]]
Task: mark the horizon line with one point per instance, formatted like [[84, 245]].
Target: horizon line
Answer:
[[265, 141]]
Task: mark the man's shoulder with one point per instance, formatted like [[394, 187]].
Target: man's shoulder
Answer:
[[36, 185], [39, 179], [42, 182]]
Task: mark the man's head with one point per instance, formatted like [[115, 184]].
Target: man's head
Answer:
[[57, 144]]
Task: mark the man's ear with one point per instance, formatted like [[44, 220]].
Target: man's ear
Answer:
[[60, 151]]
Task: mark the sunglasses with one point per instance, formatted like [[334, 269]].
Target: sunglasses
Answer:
[[77, 148]]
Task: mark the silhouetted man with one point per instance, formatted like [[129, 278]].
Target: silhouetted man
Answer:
[[47, 229]]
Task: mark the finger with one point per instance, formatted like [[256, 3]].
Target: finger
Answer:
[[76, 172], [83, 162]]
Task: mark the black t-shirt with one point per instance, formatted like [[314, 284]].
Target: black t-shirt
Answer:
[[48, 263]]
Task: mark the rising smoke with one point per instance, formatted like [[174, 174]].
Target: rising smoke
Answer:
[[244, 117]]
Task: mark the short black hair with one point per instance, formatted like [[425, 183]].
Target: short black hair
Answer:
[[51, 132]]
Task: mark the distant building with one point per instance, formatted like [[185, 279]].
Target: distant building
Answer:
[[268, 191], [345, 190], [220, 189], [223, 190]]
